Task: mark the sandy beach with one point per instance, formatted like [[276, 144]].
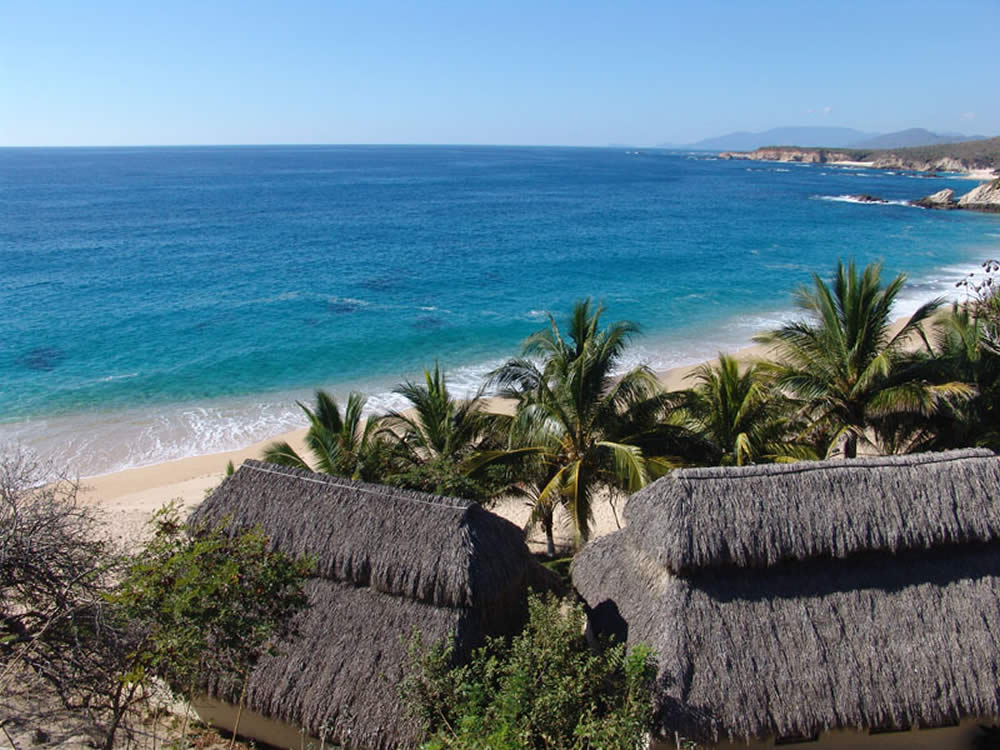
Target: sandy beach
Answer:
[[127, 499]]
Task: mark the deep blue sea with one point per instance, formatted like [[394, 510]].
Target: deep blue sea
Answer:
[[163, 302]]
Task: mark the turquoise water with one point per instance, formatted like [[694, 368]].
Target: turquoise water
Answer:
[[163, 302]]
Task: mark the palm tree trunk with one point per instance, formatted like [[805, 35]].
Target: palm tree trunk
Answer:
[[550, 544], [851, 446]]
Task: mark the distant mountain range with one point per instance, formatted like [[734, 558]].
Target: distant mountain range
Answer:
[[914, 137], [828, 137]]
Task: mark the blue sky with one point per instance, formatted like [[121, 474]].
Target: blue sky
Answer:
[[561, 73]]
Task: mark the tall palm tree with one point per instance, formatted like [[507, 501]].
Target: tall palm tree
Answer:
[[576, 415], [847, 366], [741, 414], [340, 443]]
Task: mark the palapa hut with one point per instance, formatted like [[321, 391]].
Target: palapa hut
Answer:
[[837, 603], [388, 562]]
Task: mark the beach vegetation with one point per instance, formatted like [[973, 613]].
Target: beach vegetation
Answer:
[[56, 567], [966, 349], [428, 447], [341, 444], [544, 688], [581, 420], [742, 414], [849, 370], [438, 425], [205, 604], [105, 630]]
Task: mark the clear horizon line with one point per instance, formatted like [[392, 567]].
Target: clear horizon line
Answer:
[[665, 147]]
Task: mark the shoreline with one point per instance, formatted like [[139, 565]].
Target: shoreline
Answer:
[[780, 157], [128, 498]]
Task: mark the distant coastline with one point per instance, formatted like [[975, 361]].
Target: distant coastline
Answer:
[[976, 159]]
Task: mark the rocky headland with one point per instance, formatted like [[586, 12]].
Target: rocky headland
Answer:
[[974, 157], [790, 154], [984, 197]]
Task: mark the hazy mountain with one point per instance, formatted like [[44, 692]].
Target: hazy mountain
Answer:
[[913, 137], [801, 136]]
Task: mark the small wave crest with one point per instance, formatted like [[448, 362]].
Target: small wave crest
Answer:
[[96, 443], [112, 378], [857, 199]]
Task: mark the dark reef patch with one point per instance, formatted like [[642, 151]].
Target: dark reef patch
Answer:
[[42, 358]]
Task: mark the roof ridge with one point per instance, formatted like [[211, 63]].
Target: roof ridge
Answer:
[[330, 480], [804, 467]]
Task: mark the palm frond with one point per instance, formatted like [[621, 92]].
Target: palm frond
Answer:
[[280, 452]]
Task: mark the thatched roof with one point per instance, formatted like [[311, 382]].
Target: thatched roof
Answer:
[[855, 617], [388, 562], [764, 515]]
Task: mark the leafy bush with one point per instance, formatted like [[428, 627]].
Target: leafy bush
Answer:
[[208, 600], [545, 688], [98, 625]]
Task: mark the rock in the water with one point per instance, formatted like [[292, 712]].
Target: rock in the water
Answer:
[[865, 198], [986, 197], [941, 199]]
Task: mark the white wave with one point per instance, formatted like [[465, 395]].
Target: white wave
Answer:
[[334, 300], [102, 442], [126, 376], [855, 199]]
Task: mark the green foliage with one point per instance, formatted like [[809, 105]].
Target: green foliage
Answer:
[[579, 424], [561, 567], [850, 372], [966, 349], [438, 426], [544, 689], [341, 444], [206, 600], [741, 414], [428, 446], [442, 475]]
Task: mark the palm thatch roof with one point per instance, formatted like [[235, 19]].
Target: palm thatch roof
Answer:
[[795, 599], [388, 562]]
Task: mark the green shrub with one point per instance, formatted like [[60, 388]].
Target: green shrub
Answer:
[[545, 688]]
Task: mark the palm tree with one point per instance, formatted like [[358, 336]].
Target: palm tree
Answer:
[[576, 416], [340, 444], [440, 427], [846, 366], [433, 441], [963, 352], [741, 414]]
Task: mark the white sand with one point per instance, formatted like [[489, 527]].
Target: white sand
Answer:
[[127, 499], [981, 175]]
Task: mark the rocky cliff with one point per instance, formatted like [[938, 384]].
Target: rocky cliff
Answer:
[[986, 197], [804, 155], [944, 164], [970, 156], [941, 199]]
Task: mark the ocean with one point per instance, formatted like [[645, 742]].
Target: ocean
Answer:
[[157, 303]]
